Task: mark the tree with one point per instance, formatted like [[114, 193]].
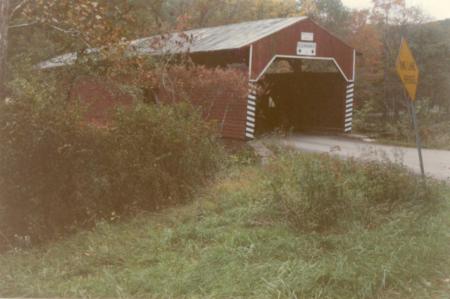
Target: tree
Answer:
[[4, 17], [332, 14], [394, 20], [365, 37]]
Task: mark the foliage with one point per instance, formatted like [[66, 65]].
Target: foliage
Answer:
[[332, 14], [320, 193], [58, 173], [229, 244], [317, 200], [433, 126], [210, 89]]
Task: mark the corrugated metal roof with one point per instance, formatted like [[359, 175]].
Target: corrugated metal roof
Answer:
[[227, 37]]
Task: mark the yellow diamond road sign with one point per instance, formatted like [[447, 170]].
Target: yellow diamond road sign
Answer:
[[407, 70]]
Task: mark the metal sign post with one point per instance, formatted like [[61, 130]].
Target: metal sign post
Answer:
[[409, 74], [418, 142]]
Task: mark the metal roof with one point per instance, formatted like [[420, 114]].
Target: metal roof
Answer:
[[227, 37]]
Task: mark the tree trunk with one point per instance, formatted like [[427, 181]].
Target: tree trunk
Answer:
[[4, 11]]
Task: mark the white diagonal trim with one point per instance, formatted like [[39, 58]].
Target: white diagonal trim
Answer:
[[258, 77], [250, 130]]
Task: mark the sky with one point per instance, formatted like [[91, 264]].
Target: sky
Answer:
[[436, 9]]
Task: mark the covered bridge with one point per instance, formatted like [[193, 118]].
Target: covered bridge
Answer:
[[306, 74]]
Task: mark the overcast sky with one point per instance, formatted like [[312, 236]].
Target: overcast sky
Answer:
[[437, 9]]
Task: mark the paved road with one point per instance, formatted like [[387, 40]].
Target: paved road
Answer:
[[437, 162]]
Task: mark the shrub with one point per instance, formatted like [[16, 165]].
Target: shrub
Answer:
[[322, 193], [58, 174], [309, 191]]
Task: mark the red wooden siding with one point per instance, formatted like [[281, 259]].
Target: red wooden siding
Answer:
[[285, 42]]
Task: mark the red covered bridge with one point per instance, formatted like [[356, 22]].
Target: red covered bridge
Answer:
[[306, 74]]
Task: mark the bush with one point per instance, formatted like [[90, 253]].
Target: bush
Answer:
[[58, 174], [309, 191], [433, 125], [321, 193]]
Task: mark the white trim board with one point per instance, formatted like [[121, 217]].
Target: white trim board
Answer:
[[302, 57]]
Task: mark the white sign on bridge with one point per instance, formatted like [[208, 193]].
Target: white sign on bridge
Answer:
[[306, 49]]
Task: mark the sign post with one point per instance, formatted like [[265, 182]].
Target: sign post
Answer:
[[409, 74]]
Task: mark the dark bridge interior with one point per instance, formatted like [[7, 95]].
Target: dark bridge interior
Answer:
[[301, 102]]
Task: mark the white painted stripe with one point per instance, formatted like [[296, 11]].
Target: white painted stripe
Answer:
[[350, 96], [348, 115], [248, 135], [250, 125], [252, 97], [349, 110], [251, 103], [348, 122], [251, 108], [252, 119], [250, 113], [351, 90], [349, 101], [351, 85], [250, 131]]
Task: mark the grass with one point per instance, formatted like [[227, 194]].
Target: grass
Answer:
[[234, 241]]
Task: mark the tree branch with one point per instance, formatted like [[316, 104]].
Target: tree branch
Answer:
[[18, 6], [22, 25]]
